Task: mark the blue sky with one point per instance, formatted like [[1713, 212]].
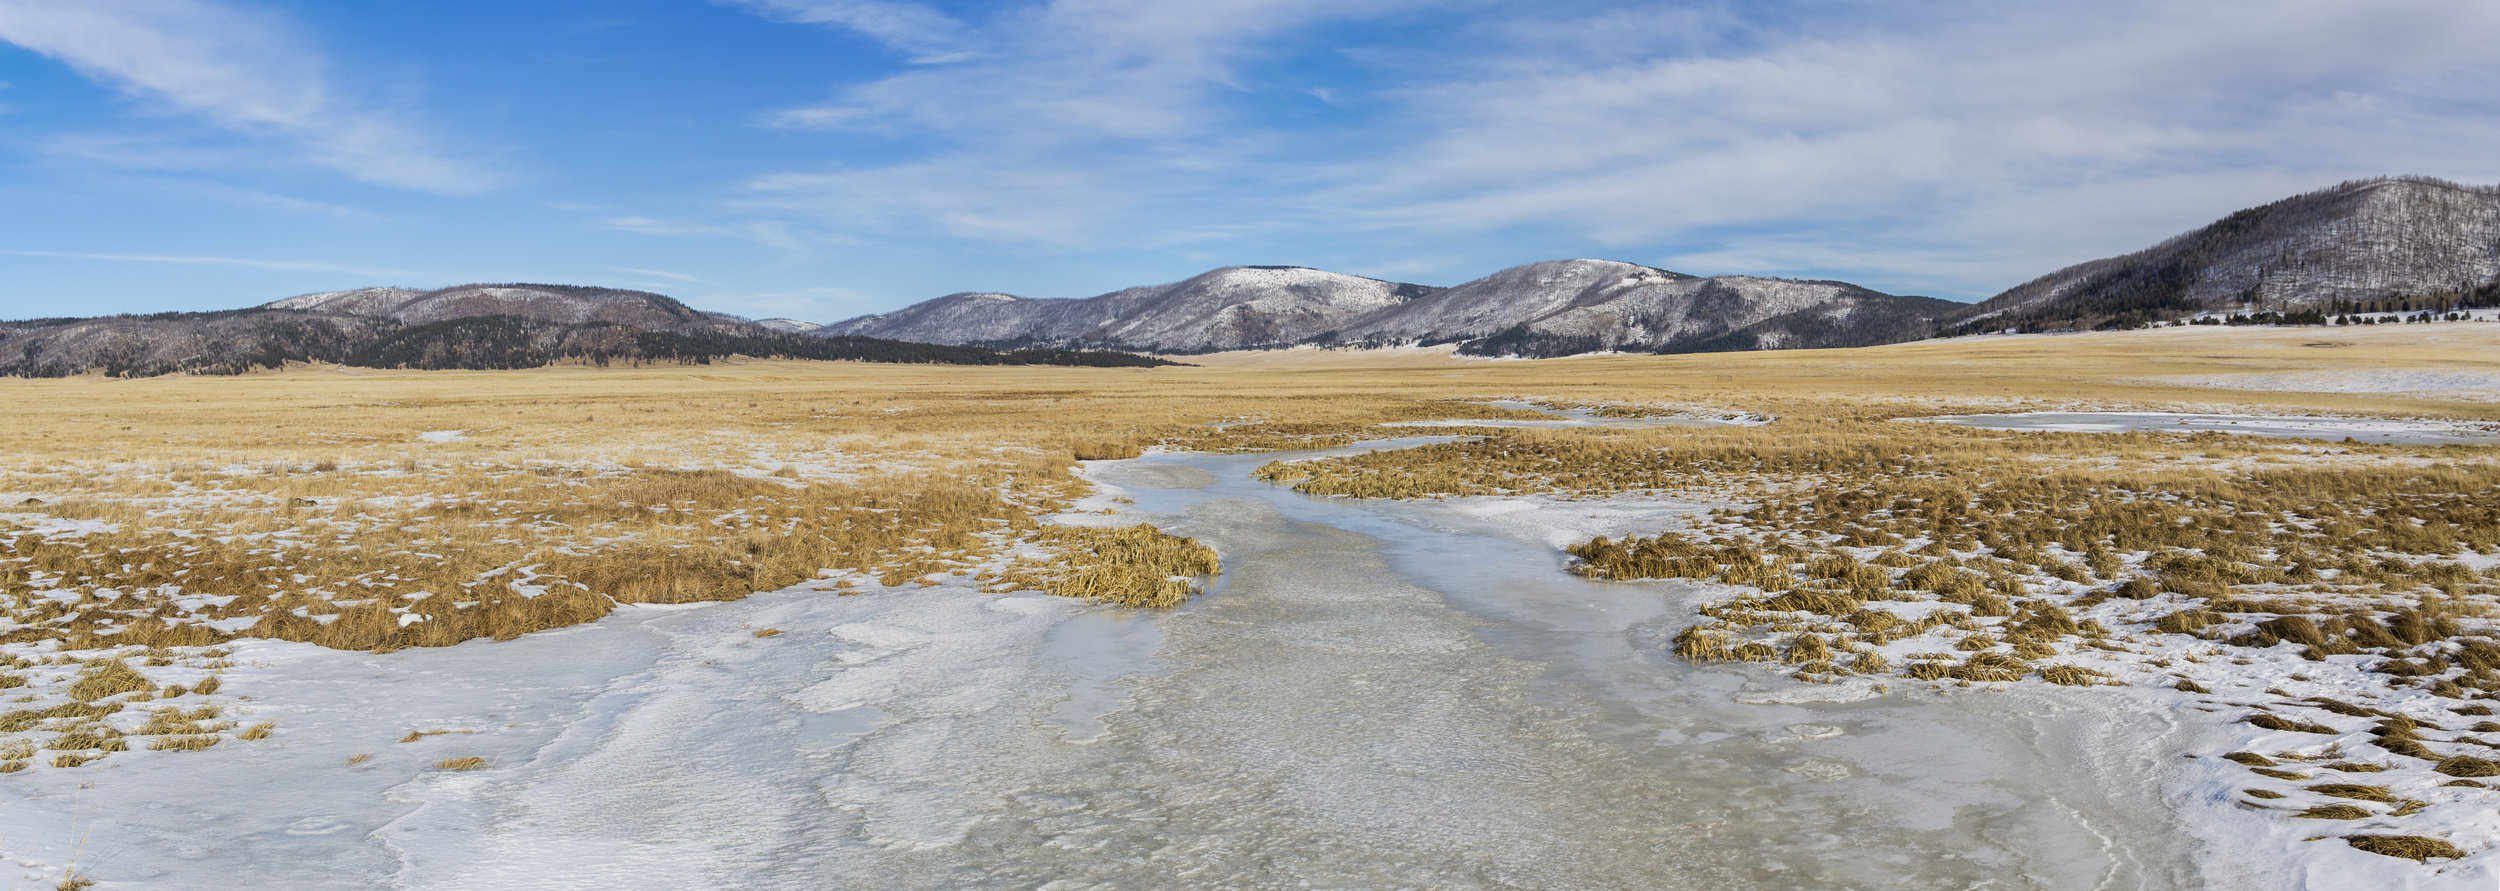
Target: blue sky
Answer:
[[821, 159]]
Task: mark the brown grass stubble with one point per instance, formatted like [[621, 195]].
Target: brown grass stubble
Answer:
[[2333, 550], [2335, 553], [305, 507], [609, 484], [286, 497]]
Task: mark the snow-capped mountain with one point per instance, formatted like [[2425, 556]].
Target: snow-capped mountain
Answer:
[[1541, 309], [1577, 306], [562, 304], [2334, 250], [470, 326], [1236, 307]]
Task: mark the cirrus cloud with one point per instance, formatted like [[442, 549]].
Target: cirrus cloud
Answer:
[[240, 70]]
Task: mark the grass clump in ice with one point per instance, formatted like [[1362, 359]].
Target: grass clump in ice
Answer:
[[1104, 448], [2278, 722], [2354, 791], [110, 677], [1128, 565], [2410, 847], [2468, 766], [2334, 812], [2074, 676], [471, 762]]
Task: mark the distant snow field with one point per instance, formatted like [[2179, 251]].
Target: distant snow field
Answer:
[[2374, 430], [2438, 383]]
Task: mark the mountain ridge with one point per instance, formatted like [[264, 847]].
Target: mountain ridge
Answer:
[[2404, 244], [465, 326], [2330, 251], [1549, 308]]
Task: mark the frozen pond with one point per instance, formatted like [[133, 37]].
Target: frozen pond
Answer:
[[1376, 695], [2287, 426], [1573, 417]]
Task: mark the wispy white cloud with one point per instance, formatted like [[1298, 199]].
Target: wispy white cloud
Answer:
[[1957, 144], [1078, 119], [817, 304], [277, 265], [1955, 147], [922, 32], [769, 232], [675, 276], [239, 69]]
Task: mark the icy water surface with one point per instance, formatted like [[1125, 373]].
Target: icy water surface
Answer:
[[1374, 696], [2290, 427]]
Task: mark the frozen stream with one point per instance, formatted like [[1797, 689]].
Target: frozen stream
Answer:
[[1375, 696], [2277, 426]]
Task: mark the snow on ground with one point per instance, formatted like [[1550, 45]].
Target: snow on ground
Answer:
[[2483, 386], [2243, 836], [442, 436], [1561, 523], [935, 736], [2415, 432]]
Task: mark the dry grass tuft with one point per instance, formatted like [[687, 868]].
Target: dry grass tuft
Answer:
[[471, 762], [2074, 676], [257, 731], [1105, 448], [110, 677], [2277, 722], [2409, 847], [2468, 766], [2335, 812], [1128, 565], [2354, 791]]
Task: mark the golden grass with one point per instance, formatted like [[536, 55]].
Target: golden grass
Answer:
[[147, 514], [2319, 547], [471, 762], [2409, 847], [670, 485], [2355, 791], [2468, 766], [1126, 565]]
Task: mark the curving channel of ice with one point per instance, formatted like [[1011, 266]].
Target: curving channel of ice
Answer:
[[2281, 426], [1376, 695]]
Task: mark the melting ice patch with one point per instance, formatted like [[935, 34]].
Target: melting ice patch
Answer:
[[2283, 426]]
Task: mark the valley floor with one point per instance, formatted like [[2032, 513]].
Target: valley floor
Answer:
[[1376, 692]]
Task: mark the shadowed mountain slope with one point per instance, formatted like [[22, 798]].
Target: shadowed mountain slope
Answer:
[[2332, 251], [471, 326], [1237, 307], [1541, 309]]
